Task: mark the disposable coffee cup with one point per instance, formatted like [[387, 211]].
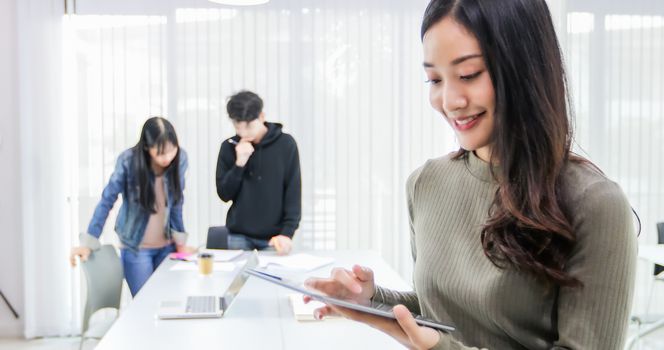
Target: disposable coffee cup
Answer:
[[205, 263]]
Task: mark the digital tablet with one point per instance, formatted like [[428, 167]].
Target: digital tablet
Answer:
[[375, 308]]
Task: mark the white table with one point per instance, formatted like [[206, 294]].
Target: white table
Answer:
[[653, 253], [260, 317]]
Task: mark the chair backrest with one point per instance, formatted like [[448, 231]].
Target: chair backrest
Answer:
[[103, 276], [217, 238], [660, 240]]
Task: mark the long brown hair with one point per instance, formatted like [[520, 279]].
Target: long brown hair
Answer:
[[528, 227]]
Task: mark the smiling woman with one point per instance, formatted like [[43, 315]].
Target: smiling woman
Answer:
[[531, 137], [510, 234]]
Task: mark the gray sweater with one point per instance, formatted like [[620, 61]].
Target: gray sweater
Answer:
[[454, 282]]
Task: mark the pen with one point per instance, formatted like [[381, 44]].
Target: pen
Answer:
[[266, 274], [232, 142]]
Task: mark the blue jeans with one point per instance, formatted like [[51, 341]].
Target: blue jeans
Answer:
[[139, 266], [240, 241]]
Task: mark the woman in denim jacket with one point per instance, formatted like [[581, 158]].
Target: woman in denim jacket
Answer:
[[150, 177]]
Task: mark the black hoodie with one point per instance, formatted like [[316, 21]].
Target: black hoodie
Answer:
[[267, 191]]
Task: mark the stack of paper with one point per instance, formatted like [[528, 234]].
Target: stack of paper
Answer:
[[302, 262]]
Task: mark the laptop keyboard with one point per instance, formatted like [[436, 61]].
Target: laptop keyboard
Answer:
[[200, 304]]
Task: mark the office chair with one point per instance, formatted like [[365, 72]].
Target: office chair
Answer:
[[217, 237], [103, 276]]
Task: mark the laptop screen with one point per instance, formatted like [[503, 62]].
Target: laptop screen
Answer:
[[238, 281]]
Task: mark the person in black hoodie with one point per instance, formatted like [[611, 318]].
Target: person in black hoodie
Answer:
[[259, 171]]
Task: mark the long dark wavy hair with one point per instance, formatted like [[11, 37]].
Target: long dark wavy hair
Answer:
[[156, 132], [528, 226]]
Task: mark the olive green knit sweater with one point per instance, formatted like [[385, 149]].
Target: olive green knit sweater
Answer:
[[454, 282]]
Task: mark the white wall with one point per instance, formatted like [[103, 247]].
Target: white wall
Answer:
[[48, 280], [11, 267]]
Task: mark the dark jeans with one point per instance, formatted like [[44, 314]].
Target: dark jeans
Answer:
[[240, 241]]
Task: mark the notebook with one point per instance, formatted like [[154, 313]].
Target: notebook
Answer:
[[305, 312]]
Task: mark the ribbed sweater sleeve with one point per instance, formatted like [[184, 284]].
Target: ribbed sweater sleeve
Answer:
[[604, 259], [388, 296]]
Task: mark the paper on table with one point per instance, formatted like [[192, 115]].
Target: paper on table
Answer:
[[190, 266], [306, 262]]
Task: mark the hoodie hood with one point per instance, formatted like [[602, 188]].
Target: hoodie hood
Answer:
[[273, 133]]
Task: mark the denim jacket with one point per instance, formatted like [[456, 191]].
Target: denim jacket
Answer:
[[133, 218]]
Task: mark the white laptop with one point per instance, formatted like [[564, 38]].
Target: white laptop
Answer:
[[207, 306]]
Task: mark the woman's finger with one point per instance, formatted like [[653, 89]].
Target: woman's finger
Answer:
[[363, 273], [406, 321], [327, 286], [420, 337], [348, 279], [324, 311]]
